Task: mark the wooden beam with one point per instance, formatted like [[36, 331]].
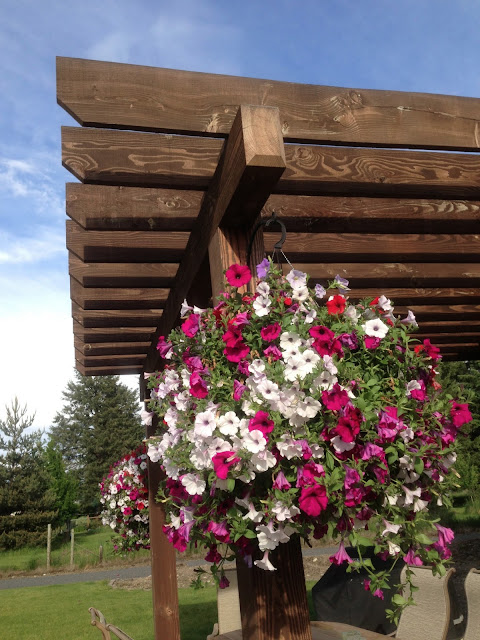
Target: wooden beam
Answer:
[[96, 298], [441, 325], [124, 360], [341, 214], [125, 246], [116, 317], [394, 274], [113, 334], [110, 348], [370, 247], [102, 156], [97, 207], [131, 208], [114, 370], [420, 296], [121, 274], [251, 165], [154, 99]]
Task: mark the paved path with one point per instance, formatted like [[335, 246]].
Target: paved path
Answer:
[[139, 571]]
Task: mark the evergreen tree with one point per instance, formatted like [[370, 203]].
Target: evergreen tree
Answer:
[[63, 484], [98, 424], [27, 504]]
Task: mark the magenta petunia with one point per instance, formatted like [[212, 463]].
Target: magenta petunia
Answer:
[[341, 556], [198, 386], [261, 422], [271, 332], [238, 275], [222, 462], [460, 413], [313, 500], [236, 352], [191, 325], [238, 390], [281, 482]]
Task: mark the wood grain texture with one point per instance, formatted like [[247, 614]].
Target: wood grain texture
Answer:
[[125, 246], [343, 214], [117, 370], [394, 274], [149, 98], [102, 156], [121, 274], [98, 207], [116, 317], [252, 162], [274, 604], [110, 348], [132, 208], [124, 360], [112, 334], [99, 298]]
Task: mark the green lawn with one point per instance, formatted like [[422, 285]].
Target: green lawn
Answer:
[[86, 553], [45, 613]]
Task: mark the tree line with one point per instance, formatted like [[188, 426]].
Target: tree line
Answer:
[[53, 476]]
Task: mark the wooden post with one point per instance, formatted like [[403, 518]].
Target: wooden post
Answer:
[[49, 545], [100, 554], [164, 565], [273, 605], [72, 545]]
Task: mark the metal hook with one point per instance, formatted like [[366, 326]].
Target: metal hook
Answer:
[[265, 223]]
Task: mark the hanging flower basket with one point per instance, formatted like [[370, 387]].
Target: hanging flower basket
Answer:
[[294, 411], [124, 495]]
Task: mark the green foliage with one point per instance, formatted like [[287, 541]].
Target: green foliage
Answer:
[[98, 424], [63, 484], [464, 378], [27, 503]]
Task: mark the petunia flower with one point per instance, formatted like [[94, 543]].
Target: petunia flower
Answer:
[[265, 563], [238, 275], [341, 556]]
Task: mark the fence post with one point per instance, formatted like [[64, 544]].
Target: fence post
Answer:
[[49, 544], [100, 554], [72, 542]]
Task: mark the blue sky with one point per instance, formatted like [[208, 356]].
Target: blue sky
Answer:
[[408, 45]]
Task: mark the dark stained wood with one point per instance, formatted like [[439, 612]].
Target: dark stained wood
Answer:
[[98, 207], [419, 296], [434, 312], [447, 338], [123, 360], [102, 156], [325, 247], [342, 214], [251, 165], [121, 274], [117, 370], [148, 98], [96, 298], [113, 334], [131, 208], [459, 325], [125, 246], [110, 348], [273, 604], [439, 274], [163, 557], [116, 317]]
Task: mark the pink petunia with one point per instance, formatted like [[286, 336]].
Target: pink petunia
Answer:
[[198, 386], [238, 275], [460, 413], [341, 556], [238, 390], [271, 332], [412, 559], [222, 462], [261, 422], [313, 500], [191, 325], [281, 482]]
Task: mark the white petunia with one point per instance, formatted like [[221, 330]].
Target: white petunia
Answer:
[[185, 308], [289, 448], [261, 306], [295, 369], [254, 441], [390, 528], [290, 339], [194, 485], [204, 424], [309, 407], [282, 512], [375, 328], [265, 563], [263, 288], [324, 381], [182, 401], [297, 279], [301, 294], [146, 417], [253, 514], [340, 446], [263, 461], [269, 390], [310, 360], [228, 424]]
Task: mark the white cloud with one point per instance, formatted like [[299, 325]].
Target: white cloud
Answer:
[[46, 244]]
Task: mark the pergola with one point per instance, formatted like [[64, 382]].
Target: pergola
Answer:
[[175, 170]]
